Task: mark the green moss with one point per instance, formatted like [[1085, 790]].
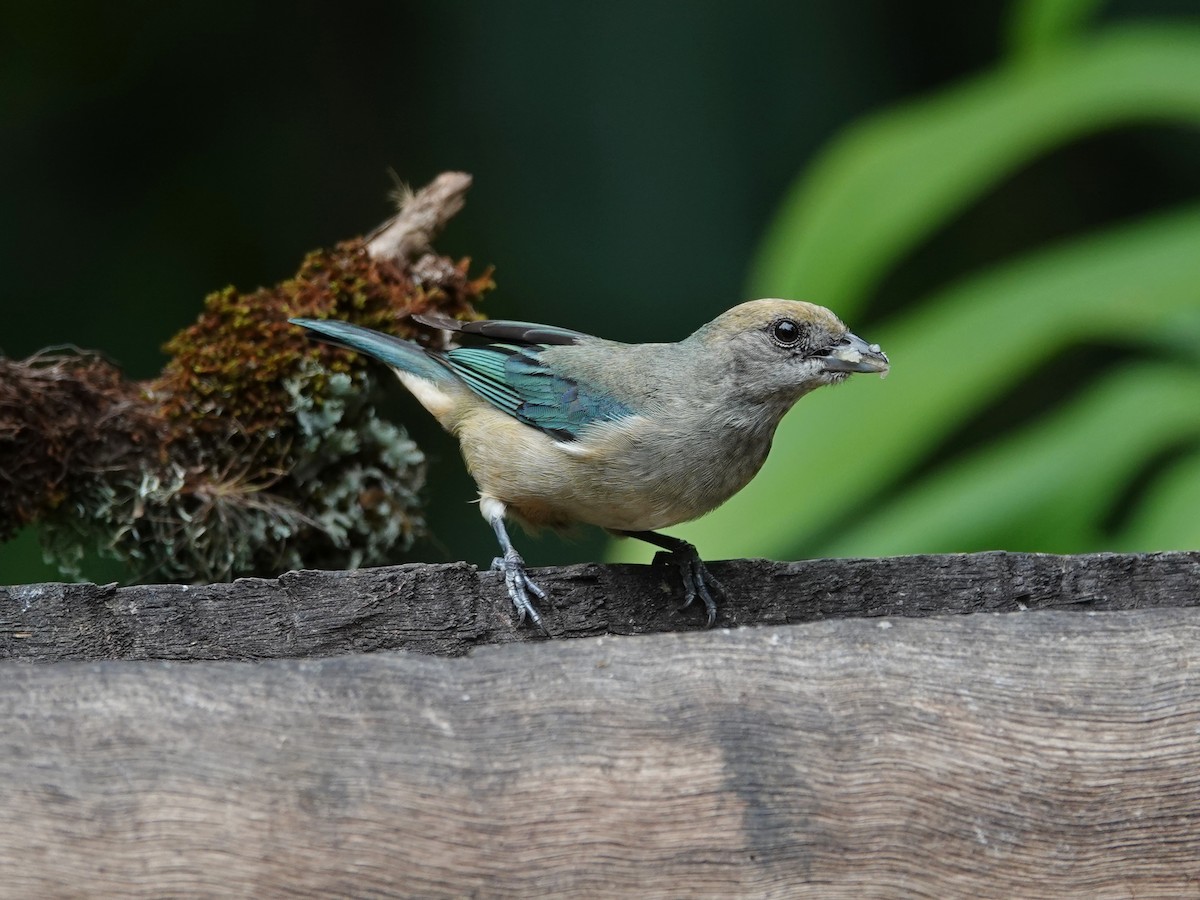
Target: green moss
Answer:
[[230, 365]]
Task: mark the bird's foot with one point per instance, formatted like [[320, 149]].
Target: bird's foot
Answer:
[[697, 580], [520, 587]]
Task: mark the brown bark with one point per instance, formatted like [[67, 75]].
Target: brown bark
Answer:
[[450, 609], [1031, 754]]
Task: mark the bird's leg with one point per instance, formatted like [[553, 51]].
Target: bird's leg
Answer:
[[518, 582], [697, 581]]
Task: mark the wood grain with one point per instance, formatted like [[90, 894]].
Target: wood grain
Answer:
[[450, 609], [1032, 754]]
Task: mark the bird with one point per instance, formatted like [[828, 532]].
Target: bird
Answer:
[[558, 427]]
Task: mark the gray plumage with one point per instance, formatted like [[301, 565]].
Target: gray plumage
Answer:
[[559, 427]]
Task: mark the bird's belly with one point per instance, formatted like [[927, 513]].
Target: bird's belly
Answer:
[[623, 482]]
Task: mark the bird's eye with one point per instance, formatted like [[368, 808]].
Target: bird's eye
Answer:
[[786, 332]]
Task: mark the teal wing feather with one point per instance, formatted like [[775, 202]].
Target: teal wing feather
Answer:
[[482, 370], [516, 381]]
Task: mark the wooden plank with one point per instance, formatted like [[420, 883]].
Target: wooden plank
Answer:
[[1035, 754], [449, 609]]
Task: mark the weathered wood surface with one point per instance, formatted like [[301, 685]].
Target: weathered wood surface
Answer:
[[1033, 754], [449, 609]]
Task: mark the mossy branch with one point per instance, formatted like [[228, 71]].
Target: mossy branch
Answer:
[[255, 450]]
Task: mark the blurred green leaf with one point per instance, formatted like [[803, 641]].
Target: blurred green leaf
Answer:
[[1169, 516], [892, 180], [1054, 481], [834, 481], [952, 356], [1037, 27]]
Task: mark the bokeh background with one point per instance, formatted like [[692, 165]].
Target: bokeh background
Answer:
[[1003, 194]]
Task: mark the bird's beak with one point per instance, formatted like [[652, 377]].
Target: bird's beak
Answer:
[[853, 354]]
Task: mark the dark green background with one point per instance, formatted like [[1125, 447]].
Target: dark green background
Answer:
[[627, 156]]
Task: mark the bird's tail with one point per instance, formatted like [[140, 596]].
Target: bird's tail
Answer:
[[396, 352]]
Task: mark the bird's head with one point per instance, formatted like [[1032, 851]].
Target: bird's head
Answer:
[[778, 350]]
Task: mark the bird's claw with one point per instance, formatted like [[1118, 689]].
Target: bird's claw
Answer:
[[697, 580], [520, 586]]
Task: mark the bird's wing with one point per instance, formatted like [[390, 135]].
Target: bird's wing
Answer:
[[504, 330], [517, 381]]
